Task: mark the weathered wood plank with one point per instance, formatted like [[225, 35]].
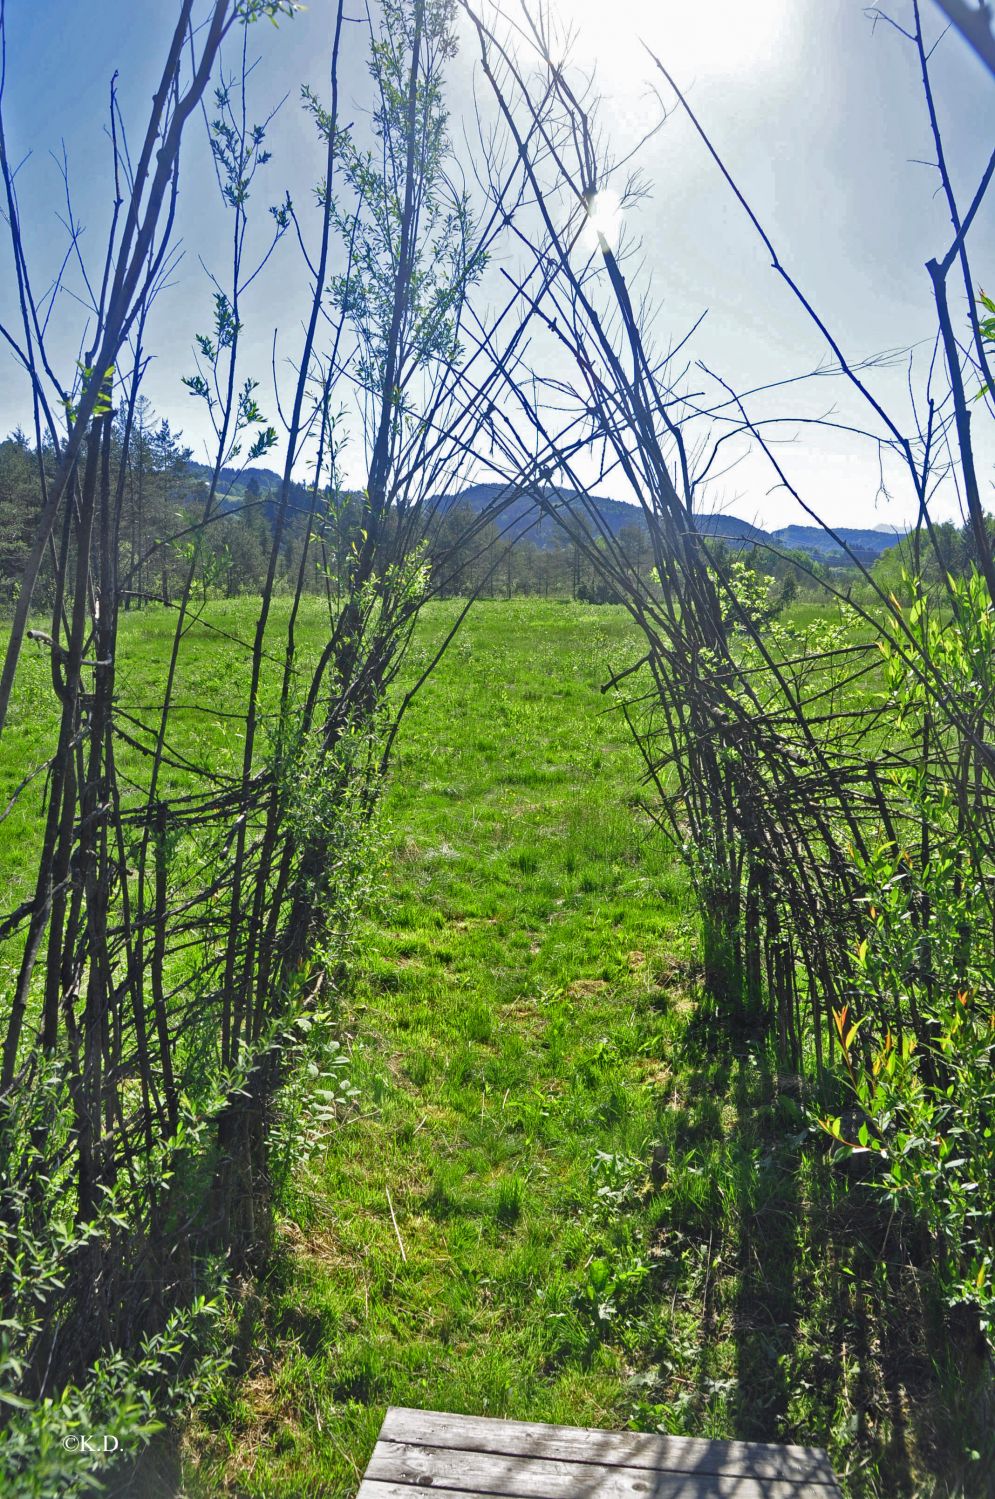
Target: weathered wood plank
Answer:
[[613, 1448], [371, 1488], [516, 1477]]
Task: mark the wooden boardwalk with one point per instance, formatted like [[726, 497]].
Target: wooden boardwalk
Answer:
[[471, 1456]]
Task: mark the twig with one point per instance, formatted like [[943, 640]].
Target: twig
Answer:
[[400, 1241]]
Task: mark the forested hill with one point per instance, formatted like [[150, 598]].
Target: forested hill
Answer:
[[165, 489], [864, 544], [615, 515], [521, 519]]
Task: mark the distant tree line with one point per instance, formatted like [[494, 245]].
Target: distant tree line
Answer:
[[947, 551], [162, 502], [160, 538]]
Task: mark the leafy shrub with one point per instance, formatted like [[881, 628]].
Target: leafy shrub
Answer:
[[917, 1035]]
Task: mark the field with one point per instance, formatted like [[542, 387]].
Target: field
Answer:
[[554, 1195], [545, 1189]]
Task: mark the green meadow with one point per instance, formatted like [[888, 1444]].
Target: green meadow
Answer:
[[545, 1190], [525, 1178]]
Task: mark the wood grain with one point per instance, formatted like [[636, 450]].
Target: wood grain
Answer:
[[516, 1477], [608, 1448]]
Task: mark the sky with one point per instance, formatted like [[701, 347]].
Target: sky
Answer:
[[817, 113]]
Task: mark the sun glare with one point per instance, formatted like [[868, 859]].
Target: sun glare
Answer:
[[721, 37], [604, 219]]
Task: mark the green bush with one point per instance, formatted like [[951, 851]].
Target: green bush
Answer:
[[917, 1033]]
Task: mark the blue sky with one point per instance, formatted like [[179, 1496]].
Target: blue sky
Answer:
[[818, 115]]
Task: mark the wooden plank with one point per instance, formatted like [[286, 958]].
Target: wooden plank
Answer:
[[375, 1489], [690, 1486], [626, 1448], [371, 1488], [516, 1477]]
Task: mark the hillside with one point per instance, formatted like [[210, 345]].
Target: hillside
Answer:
[[520, 519], [814, 539], [613, 516]]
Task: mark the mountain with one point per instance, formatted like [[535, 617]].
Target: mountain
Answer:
[[818, 543], [235, 480], [520, 519], [731, 529]]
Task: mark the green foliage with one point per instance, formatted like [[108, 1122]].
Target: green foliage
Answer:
[[947, 550], [270, 10], [986, 327], [130, 1391], [377, 219], [917, 1036], [73, 1442], [749, 596], [102, 405], [237, 153], [18, 505]]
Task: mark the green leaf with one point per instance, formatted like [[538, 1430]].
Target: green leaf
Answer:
[[17, 1401]]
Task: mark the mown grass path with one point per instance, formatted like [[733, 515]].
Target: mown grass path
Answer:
[[505, 1036]]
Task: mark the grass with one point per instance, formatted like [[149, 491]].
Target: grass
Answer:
[[554, 1193], [505, 1032], [557, 1197], [212, 684]]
